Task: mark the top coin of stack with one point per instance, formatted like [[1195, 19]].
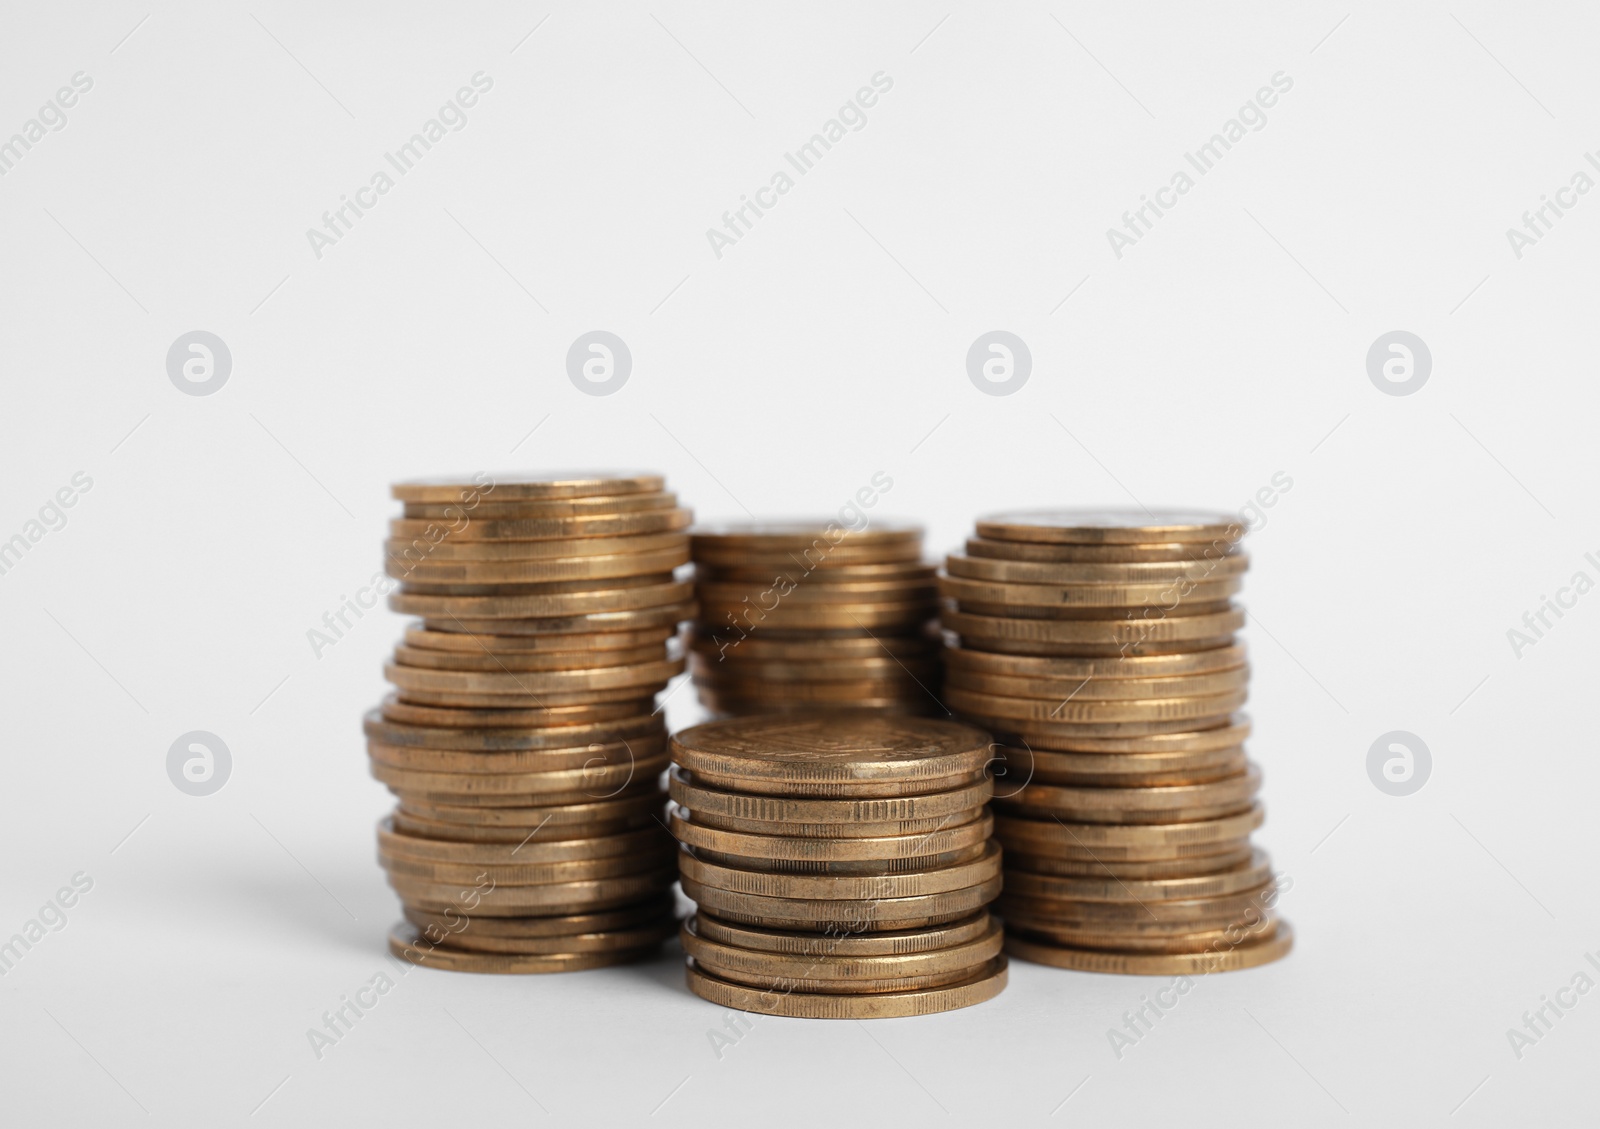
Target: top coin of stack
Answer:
[[1099, 647], [841, 864], [799, 616], [522, 740]]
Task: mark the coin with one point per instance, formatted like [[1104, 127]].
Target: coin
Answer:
[[502, 681], [898, 571], [636, 597], [1236, 790], [869, 915], [642, 937], [542, 571], [1239, 851], [789, 615], [542, 529], [1155, 840], [1014, 597], [546, 700], [955, 837], [1122, 573], [984, 985], [840, 887], [706, 801], [416, 552], [394, 844], [885, 668], [730, 705], [1043, 552], [1183, 664], [860, 830], [547, 484], [407, 944], [516, 876], [1080, 709], [492, 900], [1106, 527], [842, 943], [528, 661], [1226, 735], [1248, 955], [643, 802], [435, 926], [668, 615], [1246, 876], [591, 781], [546, 507], [515, 760], [717, 955], [1202, 940], [810, 648], [574, 646], [822, 695], [1099, 689], [380, 727], [785, 535], [1132, 630]]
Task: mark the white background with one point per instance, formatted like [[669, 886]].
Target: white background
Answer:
[[1228, 345]]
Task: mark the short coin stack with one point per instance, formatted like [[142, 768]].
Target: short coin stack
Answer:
[[841, 864], [522, 739], [798, 616], [1099, 648]]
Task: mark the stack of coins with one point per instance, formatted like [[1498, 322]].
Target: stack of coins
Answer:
[[841, 864], [522, 739], [799, 616], [1099, 648]]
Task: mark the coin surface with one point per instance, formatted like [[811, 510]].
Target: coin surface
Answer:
[[1100, 573], [841, 887], [438, 927], [957, 836], [828, 965], [864, 915], [485, 507], [1043, 552], [1106, 527], [1249, 954], [408, 944], [418, 551], [544, 484], [842, 942], [984, 985]]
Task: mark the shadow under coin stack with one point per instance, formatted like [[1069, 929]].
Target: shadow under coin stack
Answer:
[[798, 616], [1099, 648], [841, 864], [522, 740]]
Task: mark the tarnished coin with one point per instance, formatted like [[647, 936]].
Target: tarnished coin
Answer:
[[515, 876], [545, 484], [422, 716], [1248, 954], [706, 801], [1095, 803], [735, 666], [638, 937], [791, 573], [1115, 771], [843, 943], [854, 989], [1075, 709], [1015, 597], [644, 801], [1110, 527], [888, 829], [717, 955], [406, 943], [822, 695], [596, 781], [1173, 913], [558, 735], [1227, 734], [546, 700], [779, 536], [790, 615], [1128, 573], [1237, 853], [828, 648], [729, 705], [985, 985], [861, 916]]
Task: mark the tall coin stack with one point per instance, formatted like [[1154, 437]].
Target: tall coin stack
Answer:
[[800, 616], [522, 740], [841, 864], [1099, 648]]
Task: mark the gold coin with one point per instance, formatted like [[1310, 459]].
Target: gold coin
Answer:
[[812, 591], [1183, 664], [536, 850], [845, 867], [1013, 597], [532, 681], [633, 598], [1226, 735], [640, 937], [1080, 709], [706, 801], [850, 989], [562, 819], [407, 944], [909, 704], [1247, 955], [518, 875], [735, 665], [1132, 630], [1050, 734], [1045, 648], [724, 959], [410, 824], [848, 887], [897, 571], [478, 739], [1060, 799], [1111, 527], [1114, 613], [547, 507], [1138, 915], [528, 572], [1127, 573], [780, 755], [548, 484], [823, 694], [817, 559], [668, 615], [841, 943], [453, 926], [593, 782], [487, 898], [956, 837], [527, 661], [779, 536], [985, 985], [1044, 553], [861, 830], [541, 529], [547, 700], [1246, 876], [1239, 851], [416, 552], [1099, 689], [571, 646], [868, 916], [1124, 776], [1258, 927], [787, 615], [549, 717], [775, 648], [515, 760], [1111, 841]]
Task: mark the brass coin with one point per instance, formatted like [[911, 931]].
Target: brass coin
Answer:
[[1147, 572], [475, 739], [844, 867], [410, 824], [547, 484], [1239, 852], [1060, 799], [570, 646], [1186, 663], [532, 572], [844, 887], [1132, 630], [1111, 841], [1203, 940], [910, 704], [1045, 648], [546, 507], [886, 667], [1247, 955], [529, 661], [1013, 597], [519, 875], [542, 529], [956, 837], [633, 598], [985, 985], [1042, 552], [546, 700], [407, 944], [1246, 876], [1099, 689], [486, 898], [669, 615], [822, 694], [706, 801], [780, 536], [724, 959], [1111, 527], [788, 615], [641, 937], [536, 850], [416, 759], [817, 558], [1227, 735], [1173, 912], [849, 989], [770, 647], [1093, 613], [593, 781], [1228, 764], [535, 718], [502, 681], [841, 943], [875, 915], [812, 591], [1080, 709], [419, 551], [796, 574], [580, 586], [780, 755], [644, 802], [438, 926], [1052, 734], [863, 830]]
